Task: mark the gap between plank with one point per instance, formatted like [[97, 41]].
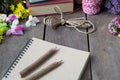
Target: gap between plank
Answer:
[[44, 33], [88, 42]]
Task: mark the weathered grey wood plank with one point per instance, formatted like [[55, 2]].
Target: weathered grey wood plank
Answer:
[[12, 45], [70, 37], [105, 49]]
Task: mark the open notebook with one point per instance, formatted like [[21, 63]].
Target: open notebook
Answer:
[[72, 68]]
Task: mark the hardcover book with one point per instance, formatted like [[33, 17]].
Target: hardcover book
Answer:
[[46, 8]]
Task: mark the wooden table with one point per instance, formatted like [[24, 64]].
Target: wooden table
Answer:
[[104, 63]]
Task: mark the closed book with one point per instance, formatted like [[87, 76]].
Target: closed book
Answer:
[[36, 1], [46, 8]]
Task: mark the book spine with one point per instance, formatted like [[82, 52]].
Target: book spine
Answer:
[[18, 58]]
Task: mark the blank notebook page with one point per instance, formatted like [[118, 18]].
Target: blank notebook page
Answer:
[[73, 61]]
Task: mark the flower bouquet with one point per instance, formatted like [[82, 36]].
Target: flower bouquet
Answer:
[[114, 26], [9, 25], [10, 13]]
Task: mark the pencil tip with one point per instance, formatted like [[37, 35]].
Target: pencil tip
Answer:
[[60, 62]]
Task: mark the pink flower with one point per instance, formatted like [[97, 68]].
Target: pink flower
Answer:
[[116, 23], [119, 25], [11, 18], [114, 19], [18, 30]]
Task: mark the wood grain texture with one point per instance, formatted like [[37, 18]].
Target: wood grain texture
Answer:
[[105, 49], [12, 45], [70, 37]]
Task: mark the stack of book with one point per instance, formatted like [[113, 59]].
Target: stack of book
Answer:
[[46, 7]]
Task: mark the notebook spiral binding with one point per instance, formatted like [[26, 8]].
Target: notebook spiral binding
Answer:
[[16, 61]]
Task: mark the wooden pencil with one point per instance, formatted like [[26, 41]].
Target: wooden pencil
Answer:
[[38, 62], [45, 70]]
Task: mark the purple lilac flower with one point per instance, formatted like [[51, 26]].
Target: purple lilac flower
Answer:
[[113, 10], [108, 5], [115, 2], [117, 7], [113, 6]]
